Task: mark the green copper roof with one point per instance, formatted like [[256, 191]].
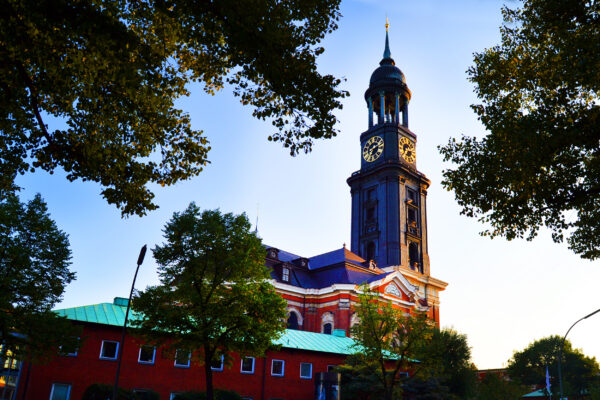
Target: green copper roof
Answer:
[[302, 340], [103, 313], [114, 314]]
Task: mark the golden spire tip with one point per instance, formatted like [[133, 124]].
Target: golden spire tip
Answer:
[[387, 23]]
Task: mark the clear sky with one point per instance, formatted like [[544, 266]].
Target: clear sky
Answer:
[[503, 295]]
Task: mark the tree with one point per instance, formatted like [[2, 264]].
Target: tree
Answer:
[[494, 387], [579, 372], [215, 296], [34, 270], [111, 71], [540, 162], [446, 360], [360, 379], [388, 339]]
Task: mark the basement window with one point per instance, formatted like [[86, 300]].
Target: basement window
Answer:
[[60, 391]]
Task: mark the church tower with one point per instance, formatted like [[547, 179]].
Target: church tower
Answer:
[[389, 219]]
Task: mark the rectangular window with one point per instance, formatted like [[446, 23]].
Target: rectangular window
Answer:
[[182, 358], [277, 367], [69, 352], [306, 370], [217, 365], [412, 197], [247, 365], [60, 391], [285, 275], [174, 396], [331, 368], [147, 354], [109, 350]]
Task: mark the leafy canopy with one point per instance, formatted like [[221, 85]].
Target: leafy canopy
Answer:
[[539, 165], [494, 387], [579, 372], [445, 360], [110, 72], [34, 270], [215, 296]]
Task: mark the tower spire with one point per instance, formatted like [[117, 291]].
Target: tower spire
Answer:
[[387, 54]]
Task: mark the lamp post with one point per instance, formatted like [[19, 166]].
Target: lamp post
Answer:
[[560, 351], [122, 344]]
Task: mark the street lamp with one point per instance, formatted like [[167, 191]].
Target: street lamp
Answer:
[[122, 345], [560, 350]]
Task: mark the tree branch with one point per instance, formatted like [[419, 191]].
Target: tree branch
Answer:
[[33, 100]]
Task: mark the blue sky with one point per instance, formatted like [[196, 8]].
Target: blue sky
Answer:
[[503, 295]]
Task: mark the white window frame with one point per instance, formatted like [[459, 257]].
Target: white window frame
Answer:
[[285, 274], [311, 370], [68, 385], [116, 350], [242, 365], [220, 369], [147, 362], [282, 367], [173, 394], [189, 356], [328, 318]]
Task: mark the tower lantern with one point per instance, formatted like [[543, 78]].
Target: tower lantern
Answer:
[[387, 96]]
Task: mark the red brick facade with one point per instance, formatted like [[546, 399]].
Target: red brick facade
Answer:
[[165, 378]]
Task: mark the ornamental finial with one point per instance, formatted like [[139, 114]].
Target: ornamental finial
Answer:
[[387, 54]]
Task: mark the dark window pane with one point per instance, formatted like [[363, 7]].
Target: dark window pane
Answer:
[[147, 354], [248, 365], [109, 349], [292, 322], [305, 370]]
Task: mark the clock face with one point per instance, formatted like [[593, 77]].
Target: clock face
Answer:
[[373, 149], [407, 150]]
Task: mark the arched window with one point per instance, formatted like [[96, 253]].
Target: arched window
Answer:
[[370, 251], [327, 325], [292, 322]]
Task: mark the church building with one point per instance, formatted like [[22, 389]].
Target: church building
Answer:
[[388, 251], [388, 245]]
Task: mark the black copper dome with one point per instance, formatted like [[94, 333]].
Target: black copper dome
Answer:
[[387, 74], [387, 77]]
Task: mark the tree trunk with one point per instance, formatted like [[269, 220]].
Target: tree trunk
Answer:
[[208, 355]]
